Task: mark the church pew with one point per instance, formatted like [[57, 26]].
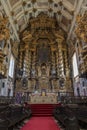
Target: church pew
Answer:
[[3, 106], [66, 117], [81, 113], [12, 115], [74, 100], [6, 100]]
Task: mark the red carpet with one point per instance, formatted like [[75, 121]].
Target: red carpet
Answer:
[[42, 109], [41, 123]]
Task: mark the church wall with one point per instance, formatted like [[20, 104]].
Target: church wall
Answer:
[[3, 87], [10, 48], [81, 83], [77, 45]]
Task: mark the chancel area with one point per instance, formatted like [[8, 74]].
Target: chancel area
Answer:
[[43, 65]]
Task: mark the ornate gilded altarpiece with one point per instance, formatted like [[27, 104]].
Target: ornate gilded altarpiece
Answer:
[[43, 62]]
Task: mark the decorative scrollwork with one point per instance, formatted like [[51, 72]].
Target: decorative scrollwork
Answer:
[[4, 35], [4, 31], [26, 36], [81, 30]]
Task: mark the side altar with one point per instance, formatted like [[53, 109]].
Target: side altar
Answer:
[[42, 98]]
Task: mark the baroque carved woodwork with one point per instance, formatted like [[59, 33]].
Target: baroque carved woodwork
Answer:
[[4, 35], [43, 54], [4, 31], [81, 32]]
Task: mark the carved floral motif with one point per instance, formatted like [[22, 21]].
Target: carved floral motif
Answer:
[[4, 31], [81, 30], [4, 35]]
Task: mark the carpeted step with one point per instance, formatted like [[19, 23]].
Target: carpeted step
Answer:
[[41, 115], [42, 109]]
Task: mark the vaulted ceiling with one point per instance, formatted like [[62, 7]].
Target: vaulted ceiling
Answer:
[[20, 11]]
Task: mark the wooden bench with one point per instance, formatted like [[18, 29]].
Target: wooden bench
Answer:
[[12, 115], [81, 113], [67, 118]]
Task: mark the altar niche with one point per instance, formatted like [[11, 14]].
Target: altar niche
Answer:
[[43, 69]]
